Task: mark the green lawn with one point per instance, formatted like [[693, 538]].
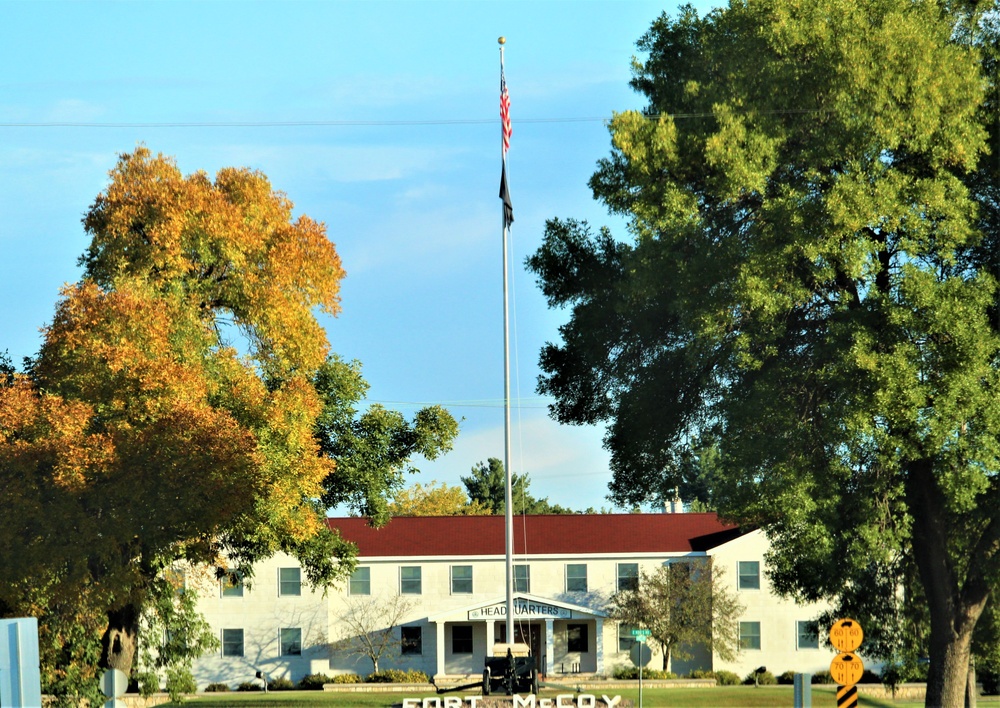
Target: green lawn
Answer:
[[719, 697]]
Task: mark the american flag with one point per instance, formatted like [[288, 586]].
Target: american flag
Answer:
[[505, 112], [508, 207]]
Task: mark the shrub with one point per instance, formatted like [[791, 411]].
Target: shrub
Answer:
[[701, 674], [388, 676], [764, 678], [180, 682], [148, 683], [397, 676], [631, 673], [280, 684], [625, 673], [727, 678], [788, 678], [249, 686], [314, 682], [869, 676], [217, 688], [347, 678], [991, 682], [658, 675]]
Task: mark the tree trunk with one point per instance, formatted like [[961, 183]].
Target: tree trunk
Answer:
[[949, 670], [664, 650], [120, 639], [955, 603], [971, 690]]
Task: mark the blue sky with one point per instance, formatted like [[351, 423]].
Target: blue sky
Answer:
[[410, 199]]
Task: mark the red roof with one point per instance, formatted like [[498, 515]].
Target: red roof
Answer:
[[542, 534]]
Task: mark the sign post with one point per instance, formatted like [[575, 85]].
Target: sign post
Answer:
[[114, 683], [641, 635], [20, 676], [846, 668]]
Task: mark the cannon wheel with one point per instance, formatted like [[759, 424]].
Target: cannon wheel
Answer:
[[486, 682]]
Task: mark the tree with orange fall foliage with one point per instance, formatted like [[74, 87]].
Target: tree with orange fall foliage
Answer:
[[172, 412]]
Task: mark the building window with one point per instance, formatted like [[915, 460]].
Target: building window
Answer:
[[361, 582], [626, 640], [232, 584], [410, 580], [232, 642], [461, 639], [461, 579], [748, 573], [289, 581], [808, 635], [522, 578], [749, 635], [291, 641], [576, 638], [628, 576], [576, 577], [175, 640], [412, 641]]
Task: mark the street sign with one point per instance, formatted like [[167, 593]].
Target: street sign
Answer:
[[846, 635], [641, 633], [847, 669]]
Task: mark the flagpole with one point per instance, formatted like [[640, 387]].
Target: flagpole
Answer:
[[508, 478]]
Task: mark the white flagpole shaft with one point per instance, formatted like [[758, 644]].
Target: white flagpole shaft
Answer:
[[508, 487]]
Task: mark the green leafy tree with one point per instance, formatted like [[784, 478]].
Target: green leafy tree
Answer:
[[812, 279], [684, 604], [172, 633], [373, 448], [487, 486]]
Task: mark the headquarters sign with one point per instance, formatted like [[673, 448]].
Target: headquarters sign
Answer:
[[523, 609]]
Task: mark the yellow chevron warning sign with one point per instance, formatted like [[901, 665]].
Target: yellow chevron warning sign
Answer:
[[847, 697]]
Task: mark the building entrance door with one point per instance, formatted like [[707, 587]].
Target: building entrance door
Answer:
[[533, 640]]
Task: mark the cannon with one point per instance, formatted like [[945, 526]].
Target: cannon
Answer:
[[510, 670]]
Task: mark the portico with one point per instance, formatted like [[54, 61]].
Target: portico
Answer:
[[566, 638]]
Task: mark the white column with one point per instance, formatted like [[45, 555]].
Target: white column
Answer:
[[439, 649], [599, 644], [550, 646], [490, 636]]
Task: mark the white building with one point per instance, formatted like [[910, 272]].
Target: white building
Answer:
[[450, 572]]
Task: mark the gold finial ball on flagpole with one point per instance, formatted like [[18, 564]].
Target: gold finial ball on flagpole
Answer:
[[501, 40]]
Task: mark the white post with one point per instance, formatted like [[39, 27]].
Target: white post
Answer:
[[20, 675], [803, 690], [439, 649], [550, 646]]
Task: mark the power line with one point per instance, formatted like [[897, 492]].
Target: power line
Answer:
[[482, 403], [290, 123], [359, 123]]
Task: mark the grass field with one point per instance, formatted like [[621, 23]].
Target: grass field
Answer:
[[719, 697]]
